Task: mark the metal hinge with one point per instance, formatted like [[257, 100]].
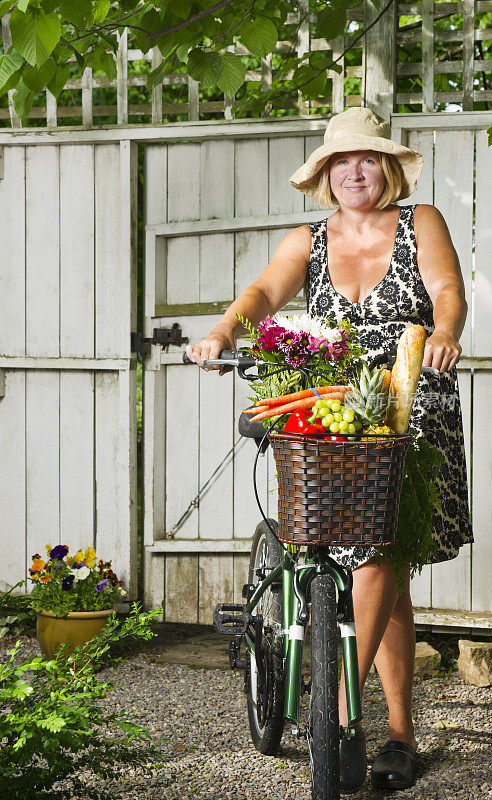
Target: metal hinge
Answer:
[[162, 336]]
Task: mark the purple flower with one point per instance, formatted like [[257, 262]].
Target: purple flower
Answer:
[[59, 552], [59, 565], [101, 585], [67, 582], [78, 564]]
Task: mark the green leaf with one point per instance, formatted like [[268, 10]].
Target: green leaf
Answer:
[[59, 80], [320, 59], [36, 79], [157, 74], [229, 73], [35, 34], [200, 66], [78, 12], [101, 11], [22, 5], [23, 100], [314, 83], [106, 63], [180, 7], [5, 6], [331, 22], [10, 64], [260, 36]]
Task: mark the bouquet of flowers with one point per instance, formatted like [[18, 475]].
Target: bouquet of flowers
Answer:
[[64, 583], [324, 351]]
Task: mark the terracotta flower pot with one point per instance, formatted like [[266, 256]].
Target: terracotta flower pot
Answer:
[[76, 627]]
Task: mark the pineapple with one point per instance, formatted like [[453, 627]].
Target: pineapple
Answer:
[[368, 398]]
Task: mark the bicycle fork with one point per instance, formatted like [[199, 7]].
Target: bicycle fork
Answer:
[[296, 581]]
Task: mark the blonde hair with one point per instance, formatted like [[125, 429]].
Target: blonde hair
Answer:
[[319, 187]]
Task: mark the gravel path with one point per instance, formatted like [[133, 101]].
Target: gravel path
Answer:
[[207, 755]]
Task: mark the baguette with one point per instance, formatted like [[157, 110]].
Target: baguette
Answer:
[[405, 377]]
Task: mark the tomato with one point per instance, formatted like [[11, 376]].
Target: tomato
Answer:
[[335, 438]]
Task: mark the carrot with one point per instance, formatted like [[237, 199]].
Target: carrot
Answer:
[[295, 406], [256, 409], [288, 398]]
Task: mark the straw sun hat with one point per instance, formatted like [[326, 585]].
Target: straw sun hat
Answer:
[[360, 129]]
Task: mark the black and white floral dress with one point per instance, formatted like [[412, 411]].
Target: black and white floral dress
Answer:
[[398, 300]]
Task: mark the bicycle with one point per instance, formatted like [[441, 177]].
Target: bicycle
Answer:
[[271, 625]]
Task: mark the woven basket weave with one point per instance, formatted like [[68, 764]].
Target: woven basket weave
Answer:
[[338, 493]]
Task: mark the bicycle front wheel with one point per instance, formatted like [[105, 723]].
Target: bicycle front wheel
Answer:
[[323, 724], [265, 680]]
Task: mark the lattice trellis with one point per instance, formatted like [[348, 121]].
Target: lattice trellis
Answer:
[[370, 73]]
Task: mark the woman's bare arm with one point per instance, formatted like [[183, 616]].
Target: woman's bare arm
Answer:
[[281, 280], [441, 273]]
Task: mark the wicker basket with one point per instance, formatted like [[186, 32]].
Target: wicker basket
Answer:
[[338, 493]]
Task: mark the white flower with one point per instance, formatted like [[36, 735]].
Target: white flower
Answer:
[[122, 591], [315, 326], [81, 574]]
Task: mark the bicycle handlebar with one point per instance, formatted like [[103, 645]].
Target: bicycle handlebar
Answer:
[[234, 358]]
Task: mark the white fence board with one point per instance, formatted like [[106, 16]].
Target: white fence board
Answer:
[[76, 459], [42, 251], [482, 507], [43, 460], [13, 481], [482, 331], [107, 208], [453, 196], [12, 235], [77, 250]]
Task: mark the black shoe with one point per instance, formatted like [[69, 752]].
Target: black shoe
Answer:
[[394, 766], [353, 761]]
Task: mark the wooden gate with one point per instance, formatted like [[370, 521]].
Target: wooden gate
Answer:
[[67, 307], [217, 203]]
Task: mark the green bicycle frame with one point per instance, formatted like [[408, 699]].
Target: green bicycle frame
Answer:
[[317, 563]]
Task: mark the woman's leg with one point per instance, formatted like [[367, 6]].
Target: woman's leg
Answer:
[[384, 626]]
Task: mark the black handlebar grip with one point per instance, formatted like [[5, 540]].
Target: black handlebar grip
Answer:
[[187, 360]]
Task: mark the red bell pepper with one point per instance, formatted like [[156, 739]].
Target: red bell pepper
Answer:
[[298, 423]]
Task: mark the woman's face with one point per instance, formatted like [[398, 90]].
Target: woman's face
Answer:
[[357, 178]]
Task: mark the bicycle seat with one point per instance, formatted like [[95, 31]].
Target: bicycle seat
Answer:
[[252, 430]]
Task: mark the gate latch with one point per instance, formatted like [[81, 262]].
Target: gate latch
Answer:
[[162, 336]]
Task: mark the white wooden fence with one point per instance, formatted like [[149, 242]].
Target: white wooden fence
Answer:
[[217, 206]]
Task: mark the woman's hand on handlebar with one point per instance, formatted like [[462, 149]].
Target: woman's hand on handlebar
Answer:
[[210, 348]]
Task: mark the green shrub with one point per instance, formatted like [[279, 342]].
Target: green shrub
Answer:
[[52, 724]]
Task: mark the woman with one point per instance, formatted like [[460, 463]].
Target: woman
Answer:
[[343, 263]]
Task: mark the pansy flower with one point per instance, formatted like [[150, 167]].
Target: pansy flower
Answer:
[[59, 552], [67, 582], [101, 585]]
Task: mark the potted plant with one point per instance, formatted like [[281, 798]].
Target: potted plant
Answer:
[[72, 595]]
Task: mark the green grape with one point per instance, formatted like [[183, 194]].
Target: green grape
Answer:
[[329, 419], [338, 416], [348, 414], [335, 405], [325, 421], [343, 426], [334, 427], [351, 427], [351, 438]]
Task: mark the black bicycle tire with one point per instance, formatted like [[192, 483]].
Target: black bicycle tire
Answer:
[[324, 721], [267, 739]]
